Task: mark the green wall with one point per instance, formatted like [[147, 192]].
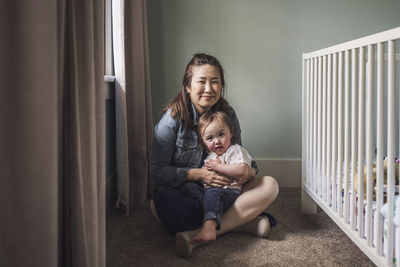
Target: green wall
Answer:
[[260, 44]]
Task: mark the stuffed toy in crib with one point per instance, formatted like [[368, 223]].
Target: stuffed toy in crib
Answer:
[[374, 174]]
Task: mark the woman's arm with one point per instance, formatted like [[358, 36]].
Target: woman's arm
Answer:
[[250, 174], [162, 152], [208, 177], [239, 171]]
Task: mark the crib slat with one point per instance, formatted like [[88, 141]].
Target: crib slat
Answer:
[[379, 156], [346, 135], [310, 181], [340, 136], [307, 108], [304, 122], [361, 137], [369, 141], [309, 121], [353, 136], [315, 135], [319, 156], [313, 125], [334, 132], [329, 132], [391, 147], [324, 111]]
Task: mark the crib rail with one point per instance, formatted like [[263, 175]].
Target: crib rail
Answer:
[[351, 125]]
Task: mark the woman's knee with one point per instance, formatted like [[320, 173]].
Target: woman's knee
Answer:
[[271, 185], [163, 195], [192, 190], [177, 211], [266, 186]]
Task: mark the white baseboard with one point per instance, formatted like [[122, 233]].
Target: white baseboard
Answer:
[[286, 171]]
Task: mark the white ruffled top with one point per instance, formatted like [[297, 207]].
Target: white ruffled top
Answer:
[[235, 154]]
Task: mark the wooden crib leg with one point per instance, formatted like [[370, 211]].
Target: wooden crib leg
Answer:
[[308, 205]]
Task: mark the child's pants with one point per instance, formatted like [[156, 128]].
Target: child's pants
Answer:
[[215, 201]]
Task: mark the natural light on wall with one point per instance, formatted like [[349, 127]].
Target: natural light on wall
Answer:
[[115, 69]]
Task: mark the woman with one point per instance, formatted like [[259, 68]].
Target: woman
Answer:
[[177, 156]]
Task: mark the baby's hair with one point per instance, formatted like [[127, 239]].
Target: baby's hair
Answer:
[[209, 117]]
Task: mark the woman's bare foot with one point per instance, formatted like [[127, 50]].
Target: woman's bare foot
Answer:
[[207, 233]]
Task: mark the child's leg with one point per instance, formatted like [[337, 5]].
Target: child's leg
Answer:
[[215, 202]]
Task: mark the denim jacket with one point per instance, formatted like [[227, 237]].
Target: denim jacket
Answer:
[[176, 149]]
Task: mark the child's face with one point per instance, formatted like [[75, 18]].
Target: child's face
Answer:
[[217, 137]]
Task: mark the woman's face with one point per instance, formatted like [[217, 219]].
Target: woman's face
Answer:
[[205, 87]]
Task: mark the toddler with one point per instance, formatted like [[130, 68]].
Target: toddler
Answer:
[[225, 157]]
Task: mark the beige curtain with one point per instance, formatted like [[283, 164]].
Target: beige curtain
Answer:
[[139, 117], [133, 102], [52, 133]]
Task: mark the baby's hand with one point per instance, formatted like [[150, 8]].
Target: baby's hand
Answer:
[[212, 164]]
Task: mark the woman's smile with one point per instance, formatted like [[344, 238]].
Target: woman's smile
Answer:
[[207, 97], [205, 87]]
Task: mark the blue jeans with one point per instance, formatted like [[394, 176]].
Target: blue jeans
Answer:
[[181, 208], [216, 201]]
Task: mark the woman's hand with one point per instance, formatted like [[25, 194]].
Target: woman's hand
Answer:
[[210, 178], [248, 175], [215, 179], [212, 164]]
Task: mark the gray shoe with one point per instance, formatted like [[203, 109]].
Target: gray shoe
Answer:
[[259, 226], [182, 244]]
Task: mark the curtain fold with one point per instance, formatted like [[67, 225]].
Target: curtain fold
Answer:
[[29, 158], [138, 96], [52, 137], [133, 101], [83, 134]]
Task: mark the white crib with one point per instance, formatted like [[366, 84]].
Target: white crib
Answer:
[[351, 122]]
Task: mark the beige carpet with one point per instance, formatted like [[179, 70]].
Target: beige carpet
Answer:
[[297, 240]]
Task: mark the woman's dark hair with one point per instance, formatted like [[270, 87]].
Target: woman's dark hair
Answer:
[[209, 117], [181, 104]]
